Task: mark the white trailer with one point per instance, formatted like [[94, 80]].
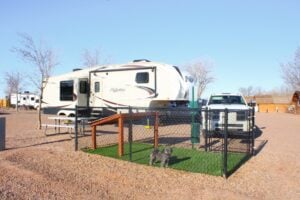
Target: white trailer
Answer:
[[140, 83], [65, 91], [25, 99]]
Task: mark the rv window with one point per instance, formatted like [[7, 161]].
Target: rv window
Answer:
[[24, 98], [142, 77], [97, 87], [66, 90], [32, 99], [83, 87]]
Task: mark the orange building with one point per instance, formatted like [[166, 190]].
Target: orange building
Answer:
[[274, 103], [296, 101], [4, 103]]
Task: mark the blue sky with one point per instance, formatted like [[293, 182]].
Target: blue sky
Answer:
[[245, 40]]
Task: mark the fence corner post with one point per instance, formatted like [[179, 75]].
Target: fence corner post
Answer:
[[94, 139], [206, 127], [130, 133], [121, 135], [253, 130], [225, 143], [76, 128]]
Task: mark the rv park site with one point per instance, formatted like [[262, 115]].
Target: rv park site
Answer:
[[150, 100], [39, 166]]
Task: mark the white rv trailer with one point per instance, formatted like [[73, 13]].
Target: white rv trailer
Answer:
[[140, 83], [25, 99], [65, 91]]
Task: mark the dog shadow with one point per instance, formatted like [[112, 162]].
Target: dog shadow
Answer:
[[175, 160]]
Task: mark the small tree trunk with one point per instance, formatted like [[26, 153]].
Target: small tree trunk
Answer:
[[40, 119], [40, 111], [17, 103]]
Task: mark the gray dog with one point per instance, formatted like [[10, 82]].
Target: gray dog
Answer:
[[163, 156]]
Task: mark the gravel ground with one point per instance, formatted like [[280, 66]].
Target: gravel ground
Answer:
[[36, 166]]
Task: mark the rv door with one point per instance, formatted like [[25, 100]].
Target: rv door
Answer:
[[96, 92], [82, 92]]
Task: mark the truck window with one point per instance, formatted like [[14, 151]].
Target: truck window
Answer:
[[66, 90], [142, 77], [224, 99]]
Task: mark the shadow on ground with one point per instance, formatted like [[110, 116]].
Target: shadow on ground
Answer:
[[39, 144]]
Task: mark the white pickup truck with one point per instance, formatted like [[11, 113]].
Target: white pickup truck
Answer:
[[238, 113]]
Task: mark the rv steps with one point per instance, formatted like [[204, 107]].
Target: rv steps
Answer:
[[97, 112]]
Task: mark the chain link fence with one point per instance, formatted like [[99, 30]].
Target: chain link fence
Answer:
[[203, 141]]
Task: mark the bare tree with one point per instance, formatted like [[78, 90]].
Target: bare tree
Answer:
[[93, 58], [13, 84], [259, 91], [201, 72], [291, 71], [281, 91], [251, 91], [247, 91], [43, 60]]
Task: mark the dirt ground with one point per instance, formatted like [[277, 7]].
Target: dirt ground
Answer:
[[35, 166]]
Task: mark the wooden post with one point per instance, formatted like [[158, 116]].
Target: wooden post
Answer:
[[121, 136], [94, 142], [156, 130]]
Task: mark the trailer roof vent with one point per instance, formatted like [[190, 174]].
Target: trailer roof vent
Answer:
[[141, 60], [76, 69]]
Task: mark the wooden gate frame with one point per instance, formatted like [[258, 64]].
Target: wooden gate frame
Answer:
[[120, 119]]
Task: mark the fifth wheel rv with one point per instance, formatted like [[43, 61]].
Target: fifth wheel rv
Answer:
[[26, 99], [140, 83]]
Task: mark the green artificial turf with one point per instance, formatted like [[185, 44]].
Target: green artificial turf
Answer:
[[191, 160]]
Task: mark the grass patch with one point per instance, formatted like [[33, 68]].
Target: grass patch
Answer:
[[191, 160]]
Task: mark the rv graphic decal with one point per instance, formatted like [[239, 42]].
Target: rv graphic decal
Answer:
[[149, 90], [117, 89], [110, 102]]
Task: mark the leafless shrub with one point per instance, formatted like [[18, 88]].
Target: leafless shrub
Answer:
[[43, 60], [291, 71], [201, 72], [93, 58]]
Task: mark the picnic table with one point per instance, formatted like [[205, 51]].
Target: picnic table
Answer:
[[66, 122]]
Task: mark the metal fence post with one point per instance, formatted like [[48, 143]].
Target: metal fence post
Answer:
[[195, 128], [249, 129], [225, 142], [156, 123], [130, 133], [206, 128], [76, 128], [253, 131], [193, 123]]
